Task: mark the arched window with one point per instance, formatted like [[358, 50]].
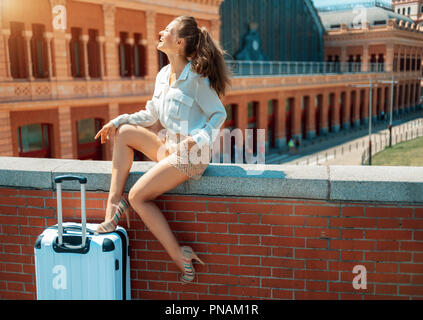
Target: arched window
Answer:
[[271, 122], [373, 62], [381, 62], [289, 107], [139, 56], [125, 55], [93, 49], [76, 53], [18, 64], [39, 51]]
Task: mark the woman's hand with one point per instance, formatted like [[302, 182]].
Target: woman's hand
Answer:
[[107, 132], [185, 146]]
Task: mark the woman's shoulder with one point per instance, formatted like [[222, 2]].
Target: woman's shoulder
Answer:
[[193, 75], [202, 80]]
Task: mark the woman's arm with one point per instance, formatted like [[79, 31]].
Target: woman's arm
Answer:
[[143, 118], [211, 105]]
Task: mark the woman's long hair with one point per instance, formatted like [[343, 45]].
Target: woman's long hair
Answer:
[[207, 57]]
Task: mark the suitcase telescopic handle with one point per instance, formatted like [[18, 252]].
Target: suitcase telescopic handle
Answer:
[[82, 180], [69, 177]]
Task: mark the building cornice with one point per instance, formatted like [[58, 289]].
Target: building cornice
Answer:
[[408, 34], [205, 9]]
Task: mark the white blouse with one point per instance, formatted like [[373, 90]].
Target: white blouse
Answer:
[[189, 107]]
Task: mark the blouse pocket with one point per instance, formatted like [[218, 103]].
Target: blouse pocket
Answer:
[[180, 105]]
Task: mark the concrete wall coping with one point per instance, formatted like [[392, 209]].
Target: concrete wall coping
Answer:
[[330, 183]]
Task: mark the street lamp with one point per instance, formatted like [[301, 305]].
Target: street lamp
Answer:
[[392, 82], [371, 86]]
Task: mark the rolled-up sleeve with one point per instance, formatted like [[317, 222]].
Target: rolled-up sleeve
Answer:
[[145, 117], [212, 106]]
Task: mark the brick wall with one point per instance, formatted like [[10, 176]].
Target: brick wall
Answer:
[[254, 247]]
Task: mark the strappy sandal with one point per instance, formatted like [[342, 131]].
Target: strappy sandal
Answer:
[[189, 272], [110, 226]]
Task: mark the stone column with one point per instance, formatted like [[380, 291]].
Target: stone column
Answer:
[[101, 40], [130, 63], [356, 109], [417, 93], [389, 61], [396, 100], [4, 55], [296, 117], [412, 94], [414, 64], [262, 121], [398, 58], [27, 34], [60, 47], [280, 111], [407, 54], [65, 125], [336, 109], [68, 38], [382, 100], [400, 97], [347, 110], [365, 61], [111, 54], [324, 130], [6, 144], [48, 37], [374, 104], [403, 56], [408, 97], [343, 57], [84, 39], [404, 96], [117, 49], [152, 56], [311, 116]]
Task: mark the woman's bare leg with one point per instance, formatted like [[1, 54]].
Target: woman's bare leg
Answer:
[[129, 137], [156, 181]]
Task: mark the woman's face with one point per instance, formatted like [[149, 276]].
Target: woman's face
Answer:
[[169, 42]]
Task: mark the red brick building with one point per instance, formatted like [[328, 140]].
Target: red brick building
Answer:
[[58, 86]]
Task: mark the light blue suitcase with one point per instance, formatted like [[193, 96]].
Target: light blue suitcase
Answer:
[[72, 263]]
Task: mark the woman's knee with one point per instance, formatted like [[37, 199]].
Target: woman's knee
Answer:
[[124, 130], [137, 196], [132, 195]]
